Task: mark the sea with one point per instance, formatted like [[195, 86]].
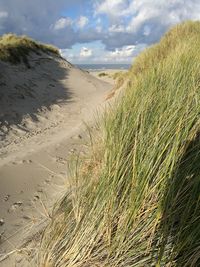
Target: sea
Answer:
[[99, 67]]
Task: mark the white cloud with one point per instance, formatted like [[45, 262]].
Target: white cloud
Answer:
[[116, 28], [62, 23], [99, 55], [112, 7], [143, 15], [85, 52], [160, 15], [82, 22], [143, 21], [124, 52], [3, 14], [116, 23], [188, 9]]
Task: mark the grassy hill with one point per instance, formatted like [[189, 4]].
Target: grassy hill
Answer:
[[15, 49], [136, 203]]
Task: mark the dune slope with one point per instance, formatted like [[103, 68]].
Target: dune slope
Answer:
[[137, 202]]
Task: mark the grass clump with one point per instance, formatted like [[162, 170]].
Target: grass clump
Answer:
[[137, 204], [15, 49], [120, 78], [102, 74]]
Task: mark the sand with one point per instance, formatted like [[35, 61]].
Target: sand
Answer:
[[43, 111]]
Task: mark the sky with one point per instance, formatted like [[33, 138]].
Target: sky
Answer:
[[96, 31]]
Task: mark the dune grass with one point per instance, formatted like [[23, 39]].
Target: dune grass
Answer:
[[102, 74], [136, 203], [15, 49], [120, 78]]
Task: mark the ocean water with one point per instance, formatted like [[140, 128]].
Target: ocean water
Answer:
[[97, 67]]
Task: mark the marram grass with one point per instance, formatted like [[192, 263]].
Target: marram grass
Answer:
[[15, 49], [137, 202]]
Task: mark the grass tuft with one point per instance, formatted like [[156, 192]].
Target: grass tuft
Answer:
[[137, 201], [102, 74]]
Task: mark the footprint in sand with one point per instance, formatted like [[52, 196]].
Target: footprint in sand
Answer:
[[48, 181], [1, 235], [2, 222], [26, 217], [25, 161], [77, 137], [40, 190], [28, 161], [61, 160], [16, 162], [16, 206], [6, 198], [36, 197]]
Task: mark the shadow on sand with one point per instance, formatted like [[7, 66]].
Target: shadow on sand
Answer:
[[28, 91]]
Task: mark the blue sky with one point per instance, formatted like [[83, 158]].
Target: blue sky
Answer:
[[98, 31]]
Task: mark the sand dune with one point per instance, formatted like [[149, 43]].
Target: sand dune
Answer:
[[42, 110]]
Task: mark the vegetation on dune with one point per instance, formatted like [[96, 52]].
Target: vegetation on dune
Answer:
[[120, 79], [15, 49], [136, 203], [102, 74]]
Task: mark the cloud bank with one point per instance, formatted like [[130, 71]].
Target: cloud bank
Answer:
[[117, 24]]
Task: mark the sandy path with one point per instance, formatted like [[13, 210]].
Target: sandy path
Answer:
[[33, 163]]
